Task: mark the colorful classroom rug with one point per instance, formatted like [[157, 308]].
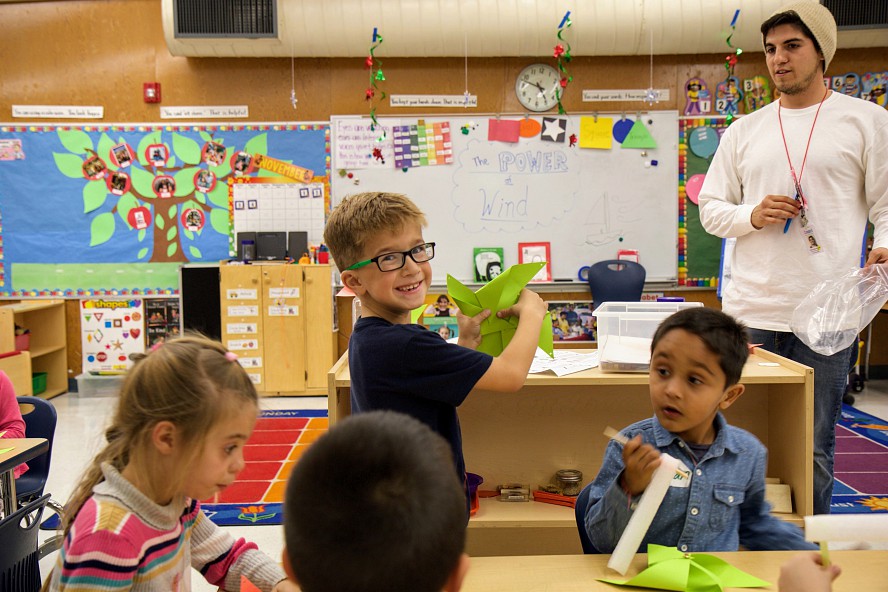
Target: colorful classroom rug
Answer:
[[256, 496], [861, 465]]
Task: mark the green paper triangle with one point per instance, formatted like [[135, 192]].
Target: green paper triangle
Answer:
[[639, 137]]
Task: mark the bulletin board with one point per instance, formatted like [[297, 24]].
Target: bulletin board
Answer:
[[479, 191], [117, 209], [698, 252]]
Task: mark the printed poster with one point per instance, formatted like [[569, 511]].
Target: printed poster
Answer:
[[111, 332]]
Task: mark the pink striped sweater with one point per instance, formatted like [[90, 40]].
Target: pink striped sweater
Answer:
[[121, 540]]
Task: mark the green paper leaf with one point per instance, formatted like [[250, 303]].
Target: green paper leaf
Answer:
[[257, 145], [101, 229], [69, 165], [186, 149], [219, 220], [94, 194], [75, 141], [126, 203]]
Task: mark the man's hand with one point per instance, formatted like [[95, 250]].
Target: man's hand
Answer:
[[774, 209]]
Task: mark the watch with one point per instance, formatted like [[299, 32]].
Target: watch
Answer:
[[537, 86]]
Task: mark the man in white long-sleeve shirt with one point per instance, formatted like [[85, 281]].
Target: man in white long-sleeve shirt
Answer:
[[794, 182]]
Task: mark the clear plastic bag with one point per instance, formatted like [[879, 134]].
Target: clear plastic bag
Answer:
[[829, 319]]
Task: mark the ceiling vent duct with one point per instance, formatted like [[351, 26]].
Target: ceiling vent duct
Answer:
[[859, 14], [246, 19], [484, 28]]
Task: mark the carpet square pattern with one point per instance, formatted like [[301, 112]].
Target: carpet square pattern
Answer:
[[279, 439], [861, 465]]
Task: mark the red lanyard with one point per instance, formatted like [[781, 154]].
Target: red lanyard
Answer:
[[797, 180]]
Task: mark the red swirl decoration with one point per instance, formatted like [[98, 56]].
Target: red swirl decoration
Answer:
[[563, 57], [374, 94]]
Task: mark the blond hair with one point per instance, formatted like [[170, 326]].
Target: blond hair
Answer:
[[191, 382], [360, 217]]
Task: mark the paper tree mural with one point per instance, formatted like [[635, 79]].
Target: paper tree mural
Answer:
[[168, 189]]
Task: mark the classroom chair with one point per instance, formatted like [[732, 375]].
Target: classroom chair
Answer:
[[40, 422], [616, 280], [580, 507], [19, 561]]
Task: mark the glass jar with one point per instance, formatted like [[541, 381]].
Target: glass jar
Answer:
[[570, 481]]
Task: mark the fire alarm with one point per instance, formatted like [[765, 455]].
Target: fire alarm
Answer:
[[151, 92]]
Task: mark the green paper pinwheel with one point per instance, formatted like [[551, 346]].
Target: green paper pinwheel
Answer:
[[500, 293], [670, 569]]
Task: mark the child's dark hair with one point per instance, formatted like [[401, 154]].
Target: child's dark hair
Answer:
[[190, 381], [723, 335], [790, 17], [375, 505]]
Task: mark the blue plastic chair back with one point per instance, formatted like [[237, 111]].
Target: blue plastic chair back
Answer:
[[580, 513], [19, 560], [616, 280], [40, 422]]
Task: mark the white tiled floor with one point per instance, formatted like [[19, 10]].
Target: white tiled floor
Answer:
[[80, 432]]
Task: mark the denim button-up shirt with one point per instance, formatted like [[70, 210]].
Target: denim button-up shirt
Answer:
[[721, 508]]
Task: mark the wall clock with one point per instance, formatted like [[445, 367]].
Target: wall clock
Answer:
[[536, 87]]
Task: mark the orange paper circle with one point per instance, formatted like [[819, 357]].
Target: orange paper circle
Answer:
[[529, 128]]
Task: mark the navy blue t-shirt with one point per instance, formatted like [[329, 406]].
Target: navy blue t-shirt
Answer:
[[413, 370]]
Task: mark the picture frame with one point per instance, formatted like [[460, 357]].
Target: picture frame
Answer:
[[534, 252], [572, 320]]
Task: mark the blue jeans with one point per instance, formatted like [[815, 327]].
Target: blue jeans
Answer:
[[830, 378]]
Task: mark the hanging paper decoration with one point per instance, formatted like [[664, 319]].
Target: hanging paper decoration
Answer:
[[562, 55], [373, 63], [730, 63]]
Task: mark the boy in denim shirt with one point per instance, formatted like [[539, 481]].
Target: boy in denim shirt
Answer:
[[377, 242], [716, 501]]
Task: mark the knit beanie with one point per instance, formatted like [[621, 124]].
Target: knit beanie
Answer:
[[820, 21]]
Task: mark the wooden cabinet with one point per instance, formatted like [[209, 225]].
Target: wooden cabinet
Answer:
[[557, 423], [45, 319], [278, 318]]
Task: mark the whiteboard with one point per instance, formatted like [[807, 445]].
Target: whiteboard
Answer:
[[587, 203]]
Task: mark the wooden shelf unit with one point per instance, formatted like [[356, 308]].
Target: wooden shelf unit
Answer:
[[288, 310], [558, 422], [48, 346]]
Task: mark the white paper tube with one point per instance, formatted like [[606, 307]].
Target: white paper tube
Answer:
[[846, 527], [644, 514]]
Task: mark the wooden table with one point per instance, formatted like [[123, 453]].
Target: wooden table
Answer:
[[557, 423], [862, 571], [23, 450]]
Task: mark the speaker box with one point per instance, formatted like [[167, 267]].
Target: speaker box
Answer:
[[271, 246], [242, 236], [297, 244]]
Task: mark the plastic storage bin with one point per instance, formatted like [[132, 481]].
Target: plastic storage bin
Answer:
[[92, 385], [625, 331], [38, 382]]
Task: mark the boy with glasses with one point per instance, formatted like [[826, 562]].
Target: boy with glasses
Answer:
[[376, 240]]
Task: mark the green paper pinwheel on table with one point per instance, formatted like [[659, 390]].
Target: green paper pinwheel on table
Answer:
[[670, 569], [500, 293]]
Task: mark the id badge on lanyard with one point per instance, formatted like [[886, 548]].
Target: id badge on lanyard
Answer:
[[805, 226]]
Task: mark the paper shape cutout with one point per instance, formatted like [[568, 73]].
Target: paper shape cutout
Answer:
[[847, 84], [728, 96], [248, 586], [699, 102], [757, 92], [554, 130], [693, 186], [416, 313], [639, 137], [622, 129], [502, 292], [874, 86], [596, 132], [670, 569], [703, 141], [529, 128], [503, 130]]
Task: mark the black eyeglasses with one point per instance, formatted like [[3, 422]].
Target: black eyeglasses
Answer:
[[394, 261]]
